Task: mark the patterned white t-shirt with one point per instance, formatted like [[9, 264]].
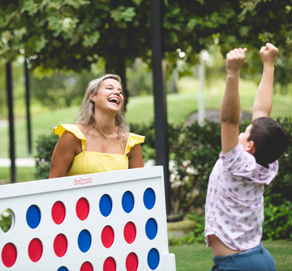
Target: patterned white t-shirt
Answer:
[[234, 209]]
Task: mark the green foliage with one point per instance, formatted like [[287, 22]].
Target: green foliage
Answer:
[[139, 79], [67, 34], [278, 220], [61, 89], [194, 149], [193, 237], [5, 220], [280, 189], [72, 35], [45, 148]]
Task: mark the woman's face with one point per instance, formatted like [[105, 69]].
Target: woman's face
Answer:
[[109, 96]]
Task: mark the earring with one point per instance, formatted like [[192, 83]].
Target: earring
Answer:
[[92, 100]]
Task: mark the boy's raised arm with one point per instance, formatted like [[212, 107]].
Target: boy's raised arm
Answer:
[[230, 108], [263, 102]]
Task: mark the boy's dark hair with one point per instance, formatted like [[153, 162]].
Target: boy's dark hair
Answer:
[[270, 140]]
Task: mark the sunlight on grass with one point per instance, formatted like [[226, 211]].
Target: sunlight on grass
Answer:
[[180, 106], [24, 174], [40, 124], [140, 109]]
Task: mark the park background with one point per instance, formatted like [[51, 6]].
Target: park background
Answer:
[[57, 85]]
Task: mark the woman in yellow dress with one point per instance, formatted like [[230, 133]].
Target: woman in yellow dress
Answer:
[[100, 140]]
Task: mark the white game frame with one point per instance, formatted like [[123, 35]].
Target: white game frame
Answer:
[[44, 193]]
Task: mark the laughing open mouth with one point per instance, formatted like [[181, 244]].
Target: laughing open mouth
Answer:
[[114, 100]]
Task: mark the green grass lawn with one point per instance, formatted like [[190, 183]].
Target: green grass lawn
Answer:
[[199, 258], [141, 109], [24, 174]]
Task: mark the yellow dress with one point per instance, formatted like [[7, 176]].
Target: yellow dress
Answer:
[[93, 162]]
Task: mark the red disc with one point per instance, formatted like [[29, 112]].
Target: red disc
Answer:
[[58, 212], [132, 262], [109, 264], [60, 245], [107, 236], [87, 266], [35, 250], [82, 208], [9, 255], [130, 232]]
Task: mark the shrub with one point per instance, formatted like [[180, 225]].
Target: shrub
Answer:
[[194, 150], [278, 220], [195, 236], [280, 188], [45, 147]]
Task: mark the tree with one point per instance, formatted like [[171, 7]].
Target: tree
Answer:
[[61, 89], [73, 34]]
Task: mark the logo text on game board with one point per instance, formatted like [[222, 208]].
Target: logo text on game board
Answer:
[[82, 181]]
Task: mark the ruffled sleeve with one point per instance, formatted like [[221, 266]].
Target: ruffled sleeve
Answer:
[[72, 129], [132, 141]]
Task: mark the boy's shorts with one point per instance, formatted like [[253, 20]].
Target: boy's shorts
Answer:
[[255, 259]]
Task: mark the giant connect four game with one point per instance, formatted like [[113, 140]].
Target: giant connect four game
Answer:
[[96, 222]]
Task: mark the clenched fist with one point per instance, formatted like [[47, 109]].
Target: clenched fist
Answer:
[[269, 53], [235, 59]]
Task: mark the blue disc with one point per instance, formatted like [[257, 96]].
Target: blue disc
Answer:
[[128, 202], [33, 216], [151, 228], [153, 259], [63, 268], [149, 198], [84, 241], [105, 205]]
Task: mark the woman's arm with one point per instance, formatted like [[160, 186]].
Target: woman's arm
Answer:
[[63, 155], [136, 157]]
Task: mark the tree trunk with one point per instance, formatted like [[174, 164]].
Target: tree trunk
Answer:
[[115, 64], [174, 81]]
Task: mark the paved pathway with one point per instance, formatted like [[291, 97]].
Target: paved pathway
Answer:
[[20, 162], [4, 123], [30, 162]]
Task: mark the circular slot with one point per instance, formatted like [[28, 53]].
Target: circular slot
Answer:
[[60, 245], [109, 264], [132, 262], [153, 259], [149, 198], [87, 266], [128, 202], [130, 232], [35, 250], [58, 212], [9, 255], [107, 236], [105, 205], [151, 228], [84, 241], [82, 208], [33, 216], [7, 220]]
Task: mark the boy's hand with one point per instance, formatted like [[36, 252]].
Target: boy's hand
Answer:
[[235, 59], [269, 53]]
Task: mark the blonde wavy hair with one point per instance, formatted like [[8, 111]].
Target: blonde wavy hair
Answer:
[[85, 114]]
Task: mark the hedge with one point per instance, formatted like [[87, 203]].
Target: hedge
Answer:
[[195, 150]]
